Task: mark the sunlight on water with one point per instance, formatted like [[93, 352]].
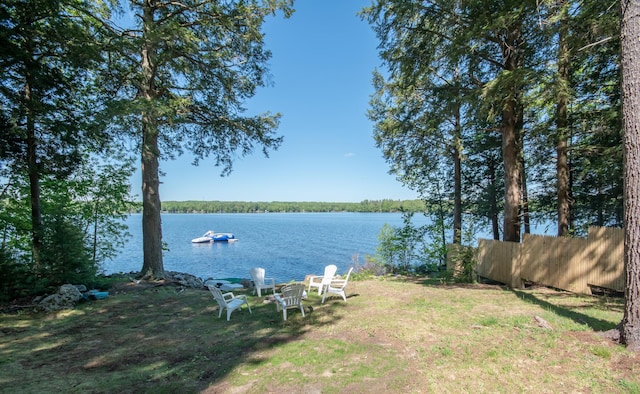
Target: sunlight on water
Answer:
[[288, 245]]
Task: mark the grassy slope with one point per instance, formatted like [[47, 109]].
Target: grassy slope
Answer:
[[391, 336]]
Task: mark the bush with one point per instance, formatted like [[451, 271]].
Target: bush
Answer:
[[65, 256], [464, 263], [371, 267], [15, 277]]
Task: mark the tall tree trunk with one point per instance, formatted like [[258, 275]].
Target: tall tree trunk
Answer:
[[510, 140], [34, 178], [562, 163], [152, 267], [526, 217], [495, 226], [457, 199], [511, 175], [457, 178], [630, 49], [562, 175]]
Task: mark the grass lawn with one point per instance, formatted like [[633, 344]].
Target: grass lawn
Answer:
[[393, 335]]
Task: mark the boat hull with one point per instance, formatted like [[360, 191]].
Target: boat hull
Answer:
[[201, 240], [214, 237], [222, 237]]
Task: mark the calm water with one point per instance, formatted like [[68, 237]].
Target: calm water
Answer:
[[288, 245]]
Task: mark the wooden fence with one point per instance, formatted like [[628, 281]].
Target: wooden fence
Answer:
[[573, 264]]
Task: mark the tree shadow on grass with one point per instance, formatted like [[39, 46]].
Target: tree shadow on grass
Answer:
[[569, 312], [557, 306], [157, 338]]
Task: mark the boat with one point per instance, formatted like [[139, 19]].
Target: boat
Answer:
[[212, 236]]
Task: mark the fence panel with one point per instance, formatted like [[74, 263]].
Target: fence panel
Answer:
[[566, 263], [606, 251], [499, 261], [455, 256], [537, 255]]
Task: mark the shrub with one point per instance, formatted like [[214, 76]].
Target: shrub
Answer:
[[14, 277], [371, 267], [65, 256], [462, 259]]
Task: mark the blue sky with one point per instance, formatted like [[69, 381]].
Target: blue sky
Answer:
[[321, 70]]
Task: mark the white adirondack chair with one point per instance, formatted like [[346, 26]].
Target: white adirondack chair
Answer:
[[323, 281], [290, 297], [228, 301], [260, 282], [337, 286]]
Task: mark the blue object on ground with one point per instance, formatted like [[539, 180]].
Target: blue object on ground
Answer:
[[96, 295]]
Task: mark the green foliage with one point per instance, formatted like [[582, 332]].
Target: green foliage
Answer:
[[406, 242], [81, 228], [464, 263], [15, 278], [284, 206], [387, 245], [408, 249], [49, 51], [593, 130], [434, 248], [411, 250], [52, 121], [461, 73], [103, 189], [180, 79], [65, 255], [371, 267]]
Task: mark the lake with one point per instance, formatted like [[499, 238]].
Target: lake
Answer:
[[288, 245]]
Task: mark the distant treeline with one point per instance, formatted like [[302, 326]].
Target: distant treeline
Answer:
[[283, 206]]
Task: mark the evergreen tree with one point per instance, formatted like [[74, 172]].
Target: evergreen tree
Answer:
[[419, 110], [182, 74], [49, 51], [576, 119], [454, 64]]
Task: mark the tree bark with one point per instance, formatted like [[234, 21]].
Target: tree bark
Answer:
[[457, 199], [457, 176], [152, 267], [510, 141], [34, 179], [562, 163], [511, 176], [630, 60], [524, 192], [492, 167], [562, 181]]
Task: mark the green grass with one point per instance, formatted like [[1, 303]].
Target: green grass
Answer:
[[392, 335]]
